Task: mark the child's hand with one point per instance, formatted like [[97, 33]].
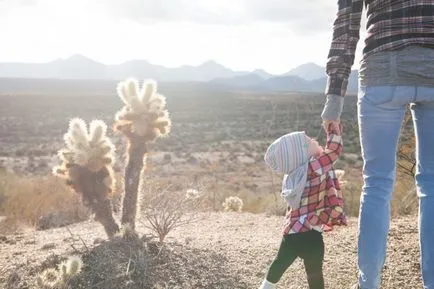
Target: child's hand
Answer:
[[332, 127]]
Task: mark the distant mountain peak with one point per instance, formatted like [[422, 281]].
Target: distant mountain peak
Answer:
[[80, 59], [260, 70], [137, 61], [211, 63], [309, 64], [262, 73], [308, 71]]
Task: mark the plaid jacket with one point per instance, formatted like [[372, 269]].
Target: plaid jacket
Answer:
[[392, 25], [321, 205]]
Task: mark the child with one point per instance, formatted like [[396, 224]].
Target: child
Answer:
[[315, 203]]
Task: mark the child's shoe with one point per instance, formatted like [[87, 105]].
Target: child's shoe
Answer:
[[267, 285]]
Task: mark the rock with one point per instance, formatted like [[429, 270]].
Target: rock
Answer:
[[3, 238], [48, 246], [98, 241]]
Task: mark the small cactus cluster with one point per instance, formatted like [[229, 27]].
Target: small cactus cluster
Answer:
[[143, 115], [340, 175], [58, 279], [87, 167], [192, 194], [234, 204], [48, 279]]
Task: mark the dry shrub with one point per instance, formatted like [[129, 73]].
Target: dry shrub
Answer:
[[253, 201], [9, 226], [404, 199], [277, 208], [260, 203], [42, 202], [352, 190], [165, 208]]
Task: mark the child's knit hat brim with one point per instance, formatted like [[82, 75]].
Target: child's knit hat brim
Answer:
[[287, 153]]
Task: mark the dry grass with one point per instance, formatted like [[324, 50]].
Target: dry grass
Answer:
[[404, 199], [46, 201], [40, 202]]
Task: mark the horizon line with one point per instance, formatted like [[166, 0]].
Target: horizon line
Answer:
[[151, 63]]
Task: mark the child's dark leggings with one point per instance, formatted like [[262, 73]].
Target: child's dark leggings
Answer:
[[309, 246]]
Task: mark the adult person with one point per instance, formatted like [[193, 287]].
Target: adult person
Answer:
[[397, 69]]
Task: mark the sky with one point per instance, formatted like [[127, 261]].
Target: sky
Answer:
[[275, 35]]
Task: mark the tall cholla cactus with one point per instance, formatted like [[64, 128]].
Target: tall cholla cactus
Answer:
[[143, 119], [87, 166]]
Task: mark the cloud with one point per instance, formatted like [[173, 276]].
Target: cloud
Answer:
[[308, 16], [19, 2], [311, 16]]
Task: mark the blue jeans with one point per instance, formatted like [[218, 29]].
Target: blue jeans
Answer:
[[381, 111]]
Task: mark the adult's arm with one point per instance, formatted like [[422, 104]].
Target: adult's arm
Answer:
[[346, 29]]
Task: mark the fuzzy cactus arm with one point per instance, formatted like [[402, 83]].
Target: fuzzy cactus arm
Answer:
[[148, 91], [97, 132], [123, 93], [86, 155]]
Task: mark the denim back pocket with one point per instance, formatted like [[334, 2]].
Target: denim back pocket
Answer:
[[386, 96], [376, 95]]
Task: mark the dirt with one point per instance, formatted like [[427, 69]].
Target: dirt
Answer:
[[222, 250]]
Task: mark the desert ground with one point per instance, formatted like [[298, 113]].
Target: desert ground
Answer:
[[216, 145], [222, 250]]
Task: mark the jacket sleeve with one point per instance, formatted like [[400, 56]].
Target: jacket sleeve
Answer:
[[342, 51]]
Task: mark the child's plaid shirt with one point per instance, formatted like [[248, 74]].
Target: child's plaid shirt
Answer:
[[321, 205]]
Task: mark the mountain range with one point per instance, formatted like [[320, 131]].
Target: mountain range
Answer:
[[306, 77]]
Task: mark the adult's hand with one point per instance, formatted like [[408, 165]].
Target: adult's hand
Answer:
[[335, 125]]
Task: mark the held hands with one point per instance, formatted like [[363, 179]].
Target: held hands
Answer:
[[332, 126]]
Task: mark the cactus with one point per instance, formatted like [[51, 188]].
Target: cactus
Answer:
[[142, 120], [192, 194], [340, 175], [58, 279], [87, 167], [233, 204], [70, 268], [48, 279]]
